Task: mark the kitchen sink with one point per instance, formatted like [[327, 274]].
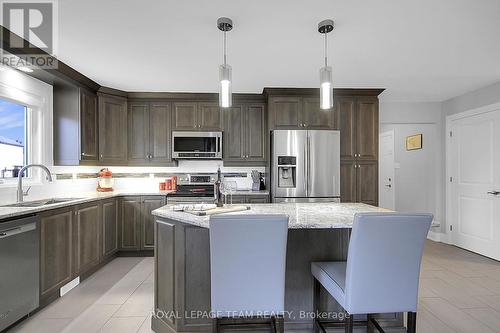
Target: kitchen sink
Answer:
[[39, 203]]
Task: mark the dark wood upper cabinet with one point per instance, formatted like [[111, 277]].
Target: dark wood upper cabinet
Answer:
[[75, 123], [285, 112], [149, 128], [256, 134], [89, 126], [56, 242], [138, 133], [346, 108], [234, 123], [185, 116], [197, 116], [299, 112], [160, 132], [148, 221], [367, 133], [209, 116], [112, 129], [313, 117], [87, 233], [245, 134]]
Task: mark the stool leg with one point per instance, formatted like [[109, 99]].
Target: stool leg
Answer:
[[411, 322], [215, 325], [316, 293], [349, 323], [369, 324], [278, 324]]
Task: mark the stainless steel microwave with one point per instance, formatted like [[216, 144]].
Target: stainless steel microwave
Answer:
[[196, 145]]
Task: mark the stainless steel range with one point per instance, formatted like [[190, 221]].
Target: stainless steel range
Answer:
[[193, 188]]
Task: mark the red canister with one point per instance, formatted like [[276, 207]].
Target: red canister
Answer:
[[168, 184], [174, 183], [162, 186]]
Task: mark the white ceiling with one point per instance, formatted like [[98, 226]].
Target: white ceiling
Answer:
[[419, 50]]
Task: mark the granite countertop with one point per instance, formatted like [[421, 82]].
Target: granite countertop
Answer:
[[301, 215], [80, 198]]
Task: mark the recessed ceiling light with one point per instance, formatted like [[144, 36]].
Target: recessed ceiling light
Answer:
[[25, 69]]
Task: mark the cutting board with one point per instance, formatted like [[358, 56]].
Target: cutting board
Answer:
[[219, 210]]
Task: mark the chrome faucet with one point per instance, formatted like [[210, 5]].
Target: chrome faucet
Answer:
[[20, 192]]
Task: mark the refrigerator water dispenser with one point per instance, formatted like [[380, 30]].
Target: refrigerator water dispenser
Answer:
[[287, 169]]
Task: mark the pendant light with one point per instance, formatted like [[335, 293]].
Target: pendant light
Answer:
[[225, 91], [325, 73]]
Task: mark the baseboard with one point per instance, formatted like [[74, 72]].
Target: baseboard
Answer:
[[438, 236]]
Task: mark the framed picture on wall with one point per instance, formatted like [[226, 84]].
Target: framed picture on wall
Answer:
[[414, 142]]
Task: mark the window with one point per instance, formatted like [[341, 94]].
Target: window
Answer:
[[13, 138]]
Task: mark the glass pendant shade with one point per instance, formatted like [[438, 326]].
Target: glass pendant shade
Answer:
[[225, 91], [326, 88]]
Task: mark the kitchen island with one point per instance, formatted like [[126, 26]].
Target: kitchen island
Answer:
[[317, 232]]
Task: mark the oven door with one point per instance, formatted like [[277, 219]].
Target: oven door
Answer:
[[196, 145]]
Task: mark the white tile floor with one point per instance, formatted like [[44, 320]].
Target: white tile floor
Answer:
[[459, 292], [118, 298]]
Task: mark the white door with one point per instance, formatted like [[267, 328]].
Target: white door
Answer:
[[475, 172], [386, 170]]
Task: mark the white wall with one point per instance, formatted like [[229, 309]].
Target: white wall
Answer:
[[418, 173], [472, 100]]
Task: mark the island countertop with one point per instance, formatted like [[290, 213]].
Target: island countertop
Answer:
[[301, 215]]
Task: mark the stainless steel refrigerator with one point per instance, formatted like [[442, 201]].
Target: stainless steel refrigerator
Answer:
[[305, 166]]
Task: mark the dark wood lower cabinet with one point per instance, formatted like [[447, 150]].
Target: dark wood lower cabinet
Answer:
[[137, 223], [367, 182], [55, 249], [77, 240], [109, 216], [148, 222], [348, 181], [130, 218], [359, 181], [250, 199], [87, 234]]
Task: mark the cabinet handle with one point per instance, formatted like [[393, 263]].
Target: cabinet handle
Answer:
[[100, 155]]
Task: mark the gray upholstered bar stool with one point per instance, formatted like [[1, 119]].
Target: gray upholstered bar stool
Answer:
[[247, 270], [382, 271]]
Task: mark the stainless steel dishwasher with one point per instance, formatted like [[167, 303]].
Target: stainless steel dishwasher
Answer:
[[19, 269]]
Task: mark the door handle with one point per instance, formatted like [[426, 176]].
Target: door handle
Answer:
[[494, 192]]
